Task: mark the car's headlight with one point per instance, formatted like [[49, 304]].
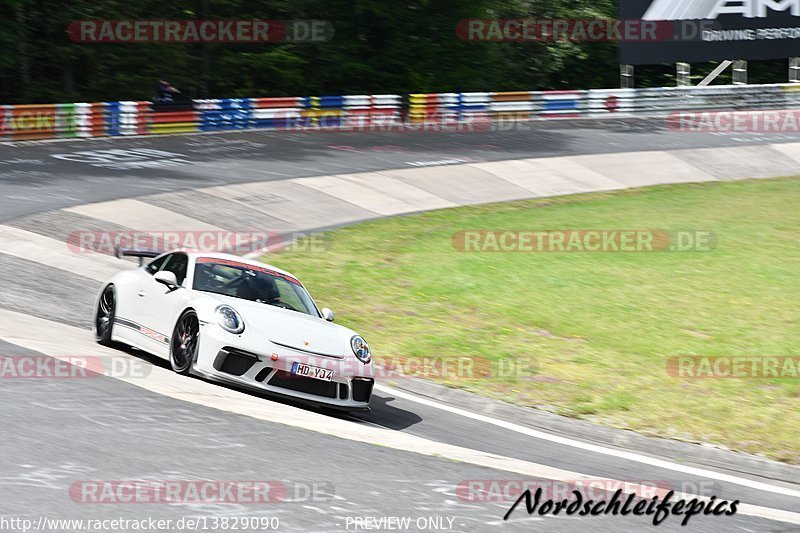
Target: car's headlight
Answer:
[[361, 349], [229, 319]]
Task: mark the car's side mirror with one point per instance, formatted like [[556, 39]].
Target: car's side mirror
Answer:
[[165, 277], [328, 315]]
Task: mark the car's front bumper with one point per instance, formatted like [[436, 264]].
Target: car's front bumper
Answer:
[[226, 357]]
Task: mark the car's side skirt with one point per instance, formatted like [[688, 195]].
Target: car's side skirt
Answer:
[[141, 337]]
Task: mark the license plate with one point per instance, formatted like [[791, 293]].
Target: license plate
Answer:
[[314, 372]]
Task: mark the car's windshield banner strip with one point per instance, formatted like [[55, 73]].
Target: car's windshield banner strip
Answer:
[[237, 264]]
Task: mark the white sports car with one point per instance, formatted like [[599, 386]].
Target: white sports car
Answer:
[[237, 321]]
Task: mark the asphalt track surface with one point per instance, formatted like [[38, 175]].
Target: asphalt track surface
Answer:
[[33, 179], [58, 431]]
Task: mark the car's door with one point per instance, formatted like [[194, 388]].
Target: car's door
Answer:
[[159, 305], [129, 306]]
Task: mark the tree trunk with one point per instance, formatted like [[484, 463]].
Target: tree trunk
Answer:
[[206, 54], [23, 53]]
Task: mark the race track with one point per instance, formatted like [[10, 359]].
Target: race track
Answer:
[[34, 180], [408, 456]]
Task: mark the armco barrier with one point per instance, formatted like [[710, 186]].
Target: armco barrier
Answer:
[[358, 110], [665, 100], [511, 105], [33, 122], [92, 120], [474, 105], [433, 107], [385, 108], [274, 112], [375, 110], [224, 114], [559, 104], [30, 122], [126, 118], [603, 102], [322, 112], [174, 117]]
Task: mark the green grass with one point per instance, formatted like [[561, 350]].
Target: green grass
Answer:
[[594, 331]]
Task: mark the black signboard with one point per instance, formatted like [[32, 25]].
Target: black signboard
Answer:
[[707, 30]]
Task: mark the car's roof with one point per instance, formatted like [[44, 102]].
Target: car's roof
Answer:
[[238, 259]]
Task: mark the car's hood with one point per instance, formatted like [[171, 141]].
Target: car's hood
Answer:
[[292, 329]]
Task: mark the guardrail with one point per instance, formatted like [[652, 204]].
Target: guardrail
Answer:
[[27, 122]]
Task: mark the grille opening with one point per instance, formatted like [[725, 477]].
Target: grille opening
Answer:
[[343, 391], [262, 375], [234, 362], [285, 380]]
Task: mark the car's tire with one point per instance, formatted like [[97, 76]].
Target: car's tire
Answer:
[[185, 343], [104, 316]]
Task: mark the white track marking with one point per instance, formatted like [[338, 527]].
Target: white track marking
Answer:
[[594, 448], [139, 215], [661, 167], [59, 340], [549, 176], [375, 192], [791, 150], [416, 198], [46, 251], [302, 208]]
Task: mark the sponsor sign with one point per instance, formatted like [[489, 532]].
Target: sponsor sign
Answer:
[[708, 30]]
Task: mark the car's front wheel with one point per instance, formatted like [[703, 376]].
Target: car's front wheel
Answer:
[[104, 316], [185, 342]]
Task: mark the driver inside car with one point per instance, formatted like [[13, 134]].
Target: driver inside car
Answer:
[[259, 289], [205, 278]]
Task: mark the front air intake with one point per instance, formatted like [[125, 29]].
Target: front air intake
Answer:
[[362, 389], [234, 362]]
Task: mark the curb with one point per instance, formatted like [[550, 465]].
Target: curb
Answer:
[[677, 451]]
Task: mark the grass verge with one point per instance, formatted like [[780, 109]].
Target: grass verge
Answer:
[[592, 331]]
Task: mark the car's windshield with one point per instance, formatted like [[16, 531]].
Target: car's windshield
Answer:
[[254, 283]]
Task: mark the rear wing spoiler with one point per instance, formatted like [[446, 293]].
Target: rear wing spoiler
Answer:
[[141, 254]]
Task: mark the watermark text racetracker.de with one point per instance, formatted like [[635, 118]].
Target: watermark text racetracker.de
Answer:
[[452, 368], [488, 491], [71, 367], [408, 367], [733, 367], [236, 242], [730, 121], [584, 241], [540, 29], [199, 492], [199, 31]]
